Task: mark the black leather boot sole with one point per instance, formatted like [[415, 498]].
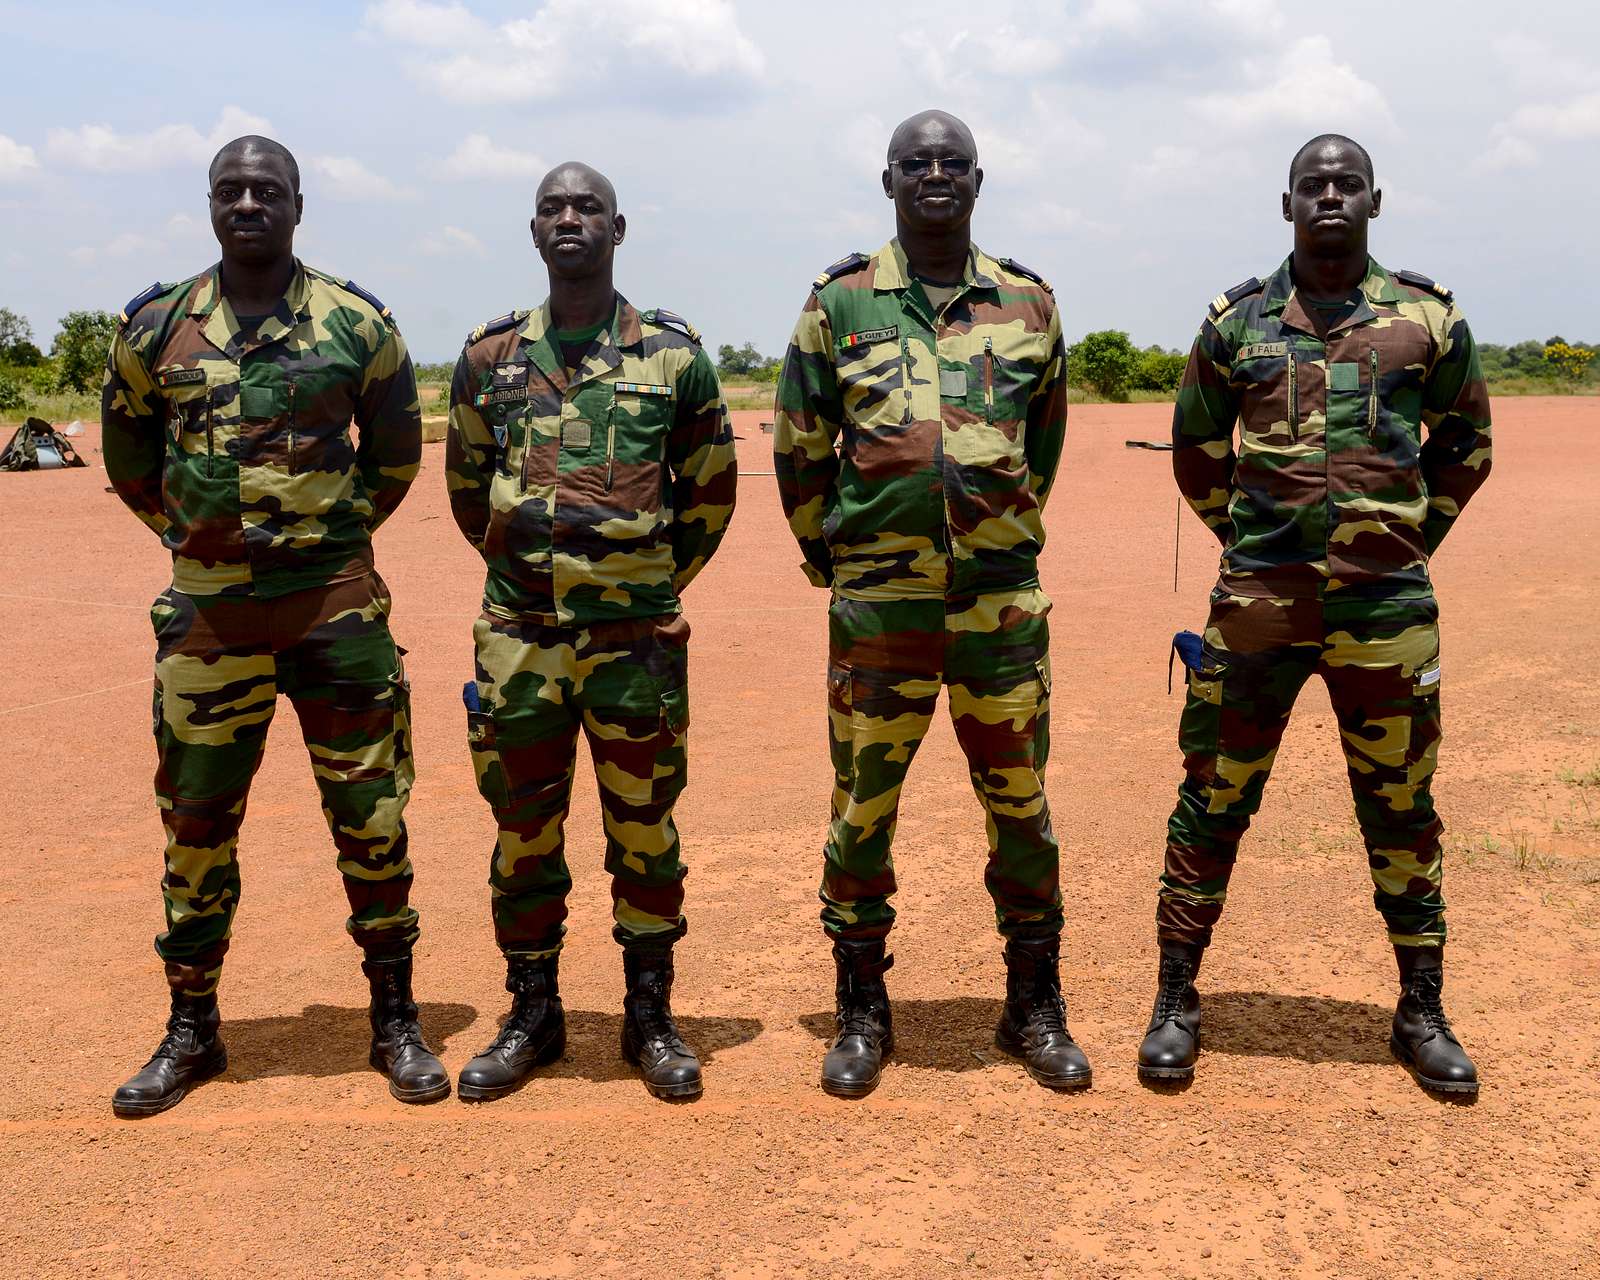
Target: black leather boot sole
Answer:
[[1010, 1043], [666, 1092], [1165, 1075], [431, 1094], [1404, 1056], [136, 1109], [550, 1052]]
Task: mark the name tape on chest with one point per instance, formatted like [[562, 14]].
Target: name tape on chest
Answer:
[[505, 395], [179, 377], [869, 335], [643, 388], [1261, 350]]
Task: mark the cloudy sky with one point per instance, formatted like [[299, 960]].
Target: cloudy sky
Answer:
[[1134, 149]]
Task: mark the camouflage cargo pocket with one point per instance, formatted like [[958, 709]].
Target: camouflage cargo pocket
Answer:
[[1422, 747], [841, 705], [486, 767], [1200, 730], [671, 772], [1041, 721]]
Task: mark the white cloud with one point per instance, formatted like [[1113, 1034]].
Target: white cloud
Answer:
[[528, 59], [1298, 87], [1052, 218], [478, 157], [452, 242], [127, 245], [349, 180], [101, 149], [17, 160], [1512, 141]]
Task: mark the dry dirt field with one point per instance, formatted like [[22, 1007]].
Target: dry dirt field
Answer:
[[1301, 1150]]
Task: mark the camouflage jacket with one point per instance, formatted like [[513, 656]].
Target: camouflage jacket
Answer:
[[592, 497], [914, 451], [239, 454], [1333, 488]]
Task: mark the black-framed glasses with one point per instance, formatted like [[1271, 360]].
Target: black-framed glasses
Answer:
[[922, 166]]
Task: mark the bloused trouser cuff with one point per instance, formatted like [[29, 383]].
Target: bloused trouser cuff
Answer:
[[1380, 661], [887, 661], [221, 662], [625, 685]]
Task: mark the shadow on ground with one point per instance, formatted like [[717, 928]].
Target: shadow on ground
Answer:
[[946, 1035], [594, 1043], [323, 1040], [1266, 1024]]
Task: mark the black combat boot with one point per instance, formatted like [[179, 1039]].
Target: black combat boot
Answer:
[[190, 1052], [1172, 1040], [1033, 1025], [1422, 1038], [854, 1060], [650, 1038], [534, 1032], [398, 1050]]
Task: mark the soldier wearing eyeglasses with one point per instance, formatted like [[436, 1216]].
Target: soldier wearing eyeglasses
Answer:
[[921, 411]]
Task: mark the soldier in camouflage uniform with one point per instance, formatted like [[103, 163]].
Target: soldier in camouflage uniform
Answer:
[[921, 412], [226, 411], [591, 464], [1363, 431]]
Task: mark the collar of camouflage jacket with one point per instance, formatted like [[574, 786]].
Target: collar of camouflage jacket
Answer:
[[893, 272], [1280, 297], [538, 335], [221, 326]]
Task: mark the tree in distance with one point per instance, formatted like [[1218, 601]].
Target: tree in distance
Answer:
[[79, 350]]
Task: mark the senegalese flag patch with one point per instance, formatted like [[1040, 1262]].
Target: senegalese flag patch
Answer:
[[868, 335]]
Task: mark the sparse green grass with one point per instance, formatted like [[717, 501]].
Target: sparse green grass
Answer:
[[1586, 778]]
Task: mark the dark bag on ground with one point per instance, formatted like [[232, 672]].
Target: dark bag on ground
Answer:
[[37, 446]]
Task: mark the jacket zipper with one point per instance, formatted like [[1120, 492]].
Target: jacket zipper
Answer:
[[293, 434], [1294, 401], [527, 449], [988, 378], [905, 373], [211, 399], [611, 439], [1372, 394]]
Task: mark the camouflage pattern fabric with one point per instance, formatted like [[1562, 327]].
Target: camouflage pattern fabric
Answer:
[[1380, 661], [591, 497], [221, 661], [235, 446], [915, 449], [886, 662], [1333, 490], [626, 684]]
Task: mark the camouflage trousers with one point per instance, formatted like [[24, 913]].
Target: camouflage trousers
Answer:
[[886, 663], [626, 684], [221, 662], [1380, 661]]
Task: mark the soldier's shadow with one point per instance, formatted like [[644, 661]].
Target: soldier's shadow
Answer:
[[956, 1034], [322, 1040], [1269, 1024], [594, 1043]]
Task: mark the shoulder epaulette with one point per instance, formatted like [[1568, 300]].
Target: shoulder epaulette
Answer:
[[498, 325], [1223, 301], [843, 267], [1419, 281], [132, 306], [353, 287], [671, 320], [1016, 268]]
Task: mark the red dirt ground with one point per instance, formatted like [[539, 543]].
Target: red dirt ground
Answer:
[[1301, 1150]]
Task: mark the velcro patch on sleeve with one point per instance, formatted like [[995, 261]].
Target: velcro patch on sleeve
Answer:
[[179, 377], [869, 335], [1261, 350], [644, 388]]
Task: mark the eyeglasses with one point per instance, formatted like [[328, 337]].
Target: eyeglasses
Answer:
[[922, 166]]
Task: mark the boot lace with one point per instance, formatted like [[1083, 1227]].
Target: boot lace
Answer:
[[399, 1022], [1175, 975], [183, 1028], [1046, 1009], [1427, 987]]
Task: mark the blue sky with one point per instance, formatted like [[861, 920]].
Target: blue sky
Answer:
[[1134, 149]]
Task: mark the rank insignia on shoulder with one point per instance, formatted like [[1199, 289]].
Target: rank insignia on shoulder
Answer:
[[135, 303], [498, 325], [1223, 301], [366, 297], [869, 335], [1419, 281], [843, 267], [1017, 269], [643, 388], [671, 320]]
